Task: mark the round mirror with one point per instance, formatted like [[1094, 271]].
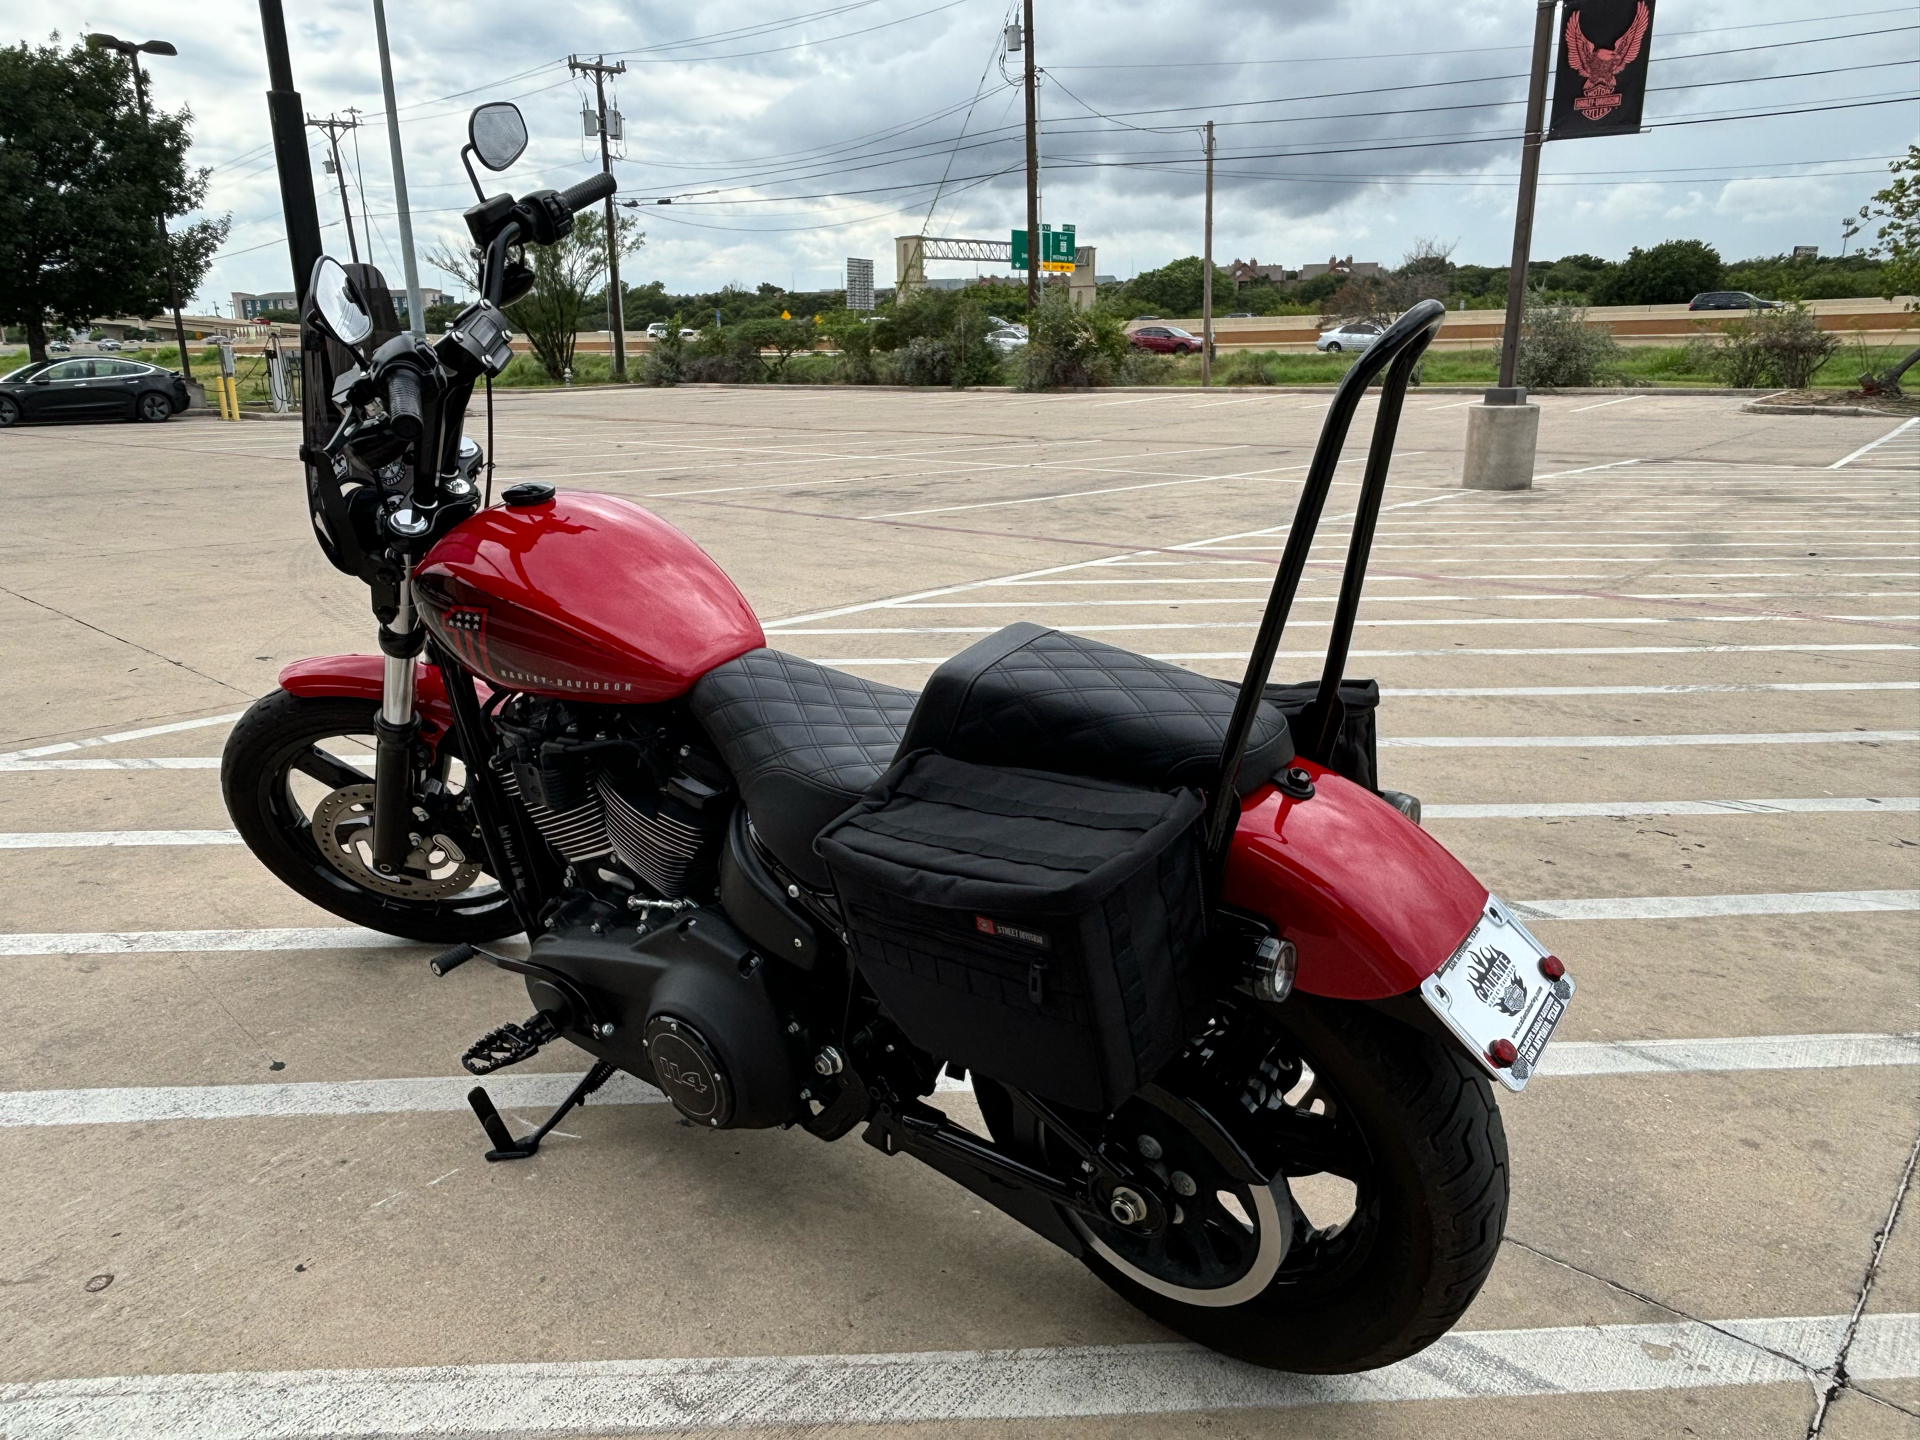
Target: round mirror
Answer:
[[333, 298], [497, 134]]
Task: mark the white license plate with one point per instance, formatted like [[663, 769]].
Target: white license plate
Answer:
[[1492, 989]]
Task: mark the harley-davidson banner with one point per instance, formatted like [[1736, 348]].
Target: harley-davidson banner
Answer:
[[1602, 77]]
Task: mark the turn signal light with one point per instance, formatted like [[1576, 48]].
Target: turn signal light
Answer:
[[1552, 968], [1503, 1053]]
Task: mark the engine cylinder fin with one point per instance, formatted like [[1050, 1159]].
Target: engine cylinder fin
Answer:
[[578, 833], [659, 848]]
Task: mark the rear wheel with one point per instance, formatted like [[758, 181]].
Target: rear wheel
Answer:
[[1384, 1215], [154, 407], [1333, 348], [298, 779]]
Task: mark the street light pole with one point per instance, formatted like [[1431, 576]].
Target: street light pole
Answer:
[[1206, 276], [1523, 214], [132, 52], [1033, 169], [416, 318]]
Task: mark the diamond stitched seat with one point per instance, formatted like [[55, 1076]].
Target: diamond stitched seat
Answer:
[[1045, 700], [803, 742]]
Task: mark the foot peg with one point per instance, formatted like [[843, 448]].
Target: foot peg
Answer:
[[447, 961], [505, 1147], [508, 1045]]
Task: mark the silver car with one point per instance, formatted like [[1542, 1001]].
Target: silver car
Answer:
[[1348, 335]]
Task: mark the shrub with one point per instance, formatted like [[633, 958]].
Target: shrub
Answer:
[[1559, 348], [1071, 348], [666, 361], [1772, 347], [1244, 368], [939, 337], [1671, 273]]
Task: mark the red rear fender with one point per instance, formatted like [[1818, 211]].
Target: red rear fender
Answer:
[[1372, 903], [359, 677]]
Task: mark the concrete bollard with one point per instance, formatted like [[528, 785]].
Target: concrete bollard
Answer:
[[1502, 432]]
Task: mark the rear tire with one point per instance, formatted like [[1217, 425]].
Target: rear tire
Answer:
[[154, 407], [1430, 1196], [9, 411], [263, 753], [1334, 348]]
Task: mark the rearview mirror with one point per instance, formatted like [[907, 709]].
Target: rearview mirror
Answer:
[[331, 297], [497, 133]]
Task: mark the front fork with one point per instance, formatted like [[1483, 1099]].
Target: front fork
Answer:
[[395, 733]]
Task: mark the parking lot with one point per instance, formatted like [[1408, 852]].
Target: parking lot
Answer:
[[1667, 703]]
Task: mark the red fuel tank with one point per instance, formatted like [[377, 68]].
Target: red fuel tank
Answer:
[[582, 595]]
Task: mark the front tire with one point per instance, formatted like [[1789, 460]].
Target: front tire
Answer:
[[1403, 1117], [289, 744]]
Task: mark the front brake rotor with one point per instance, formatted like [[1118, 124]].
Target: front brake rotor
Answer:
[[435, 868]]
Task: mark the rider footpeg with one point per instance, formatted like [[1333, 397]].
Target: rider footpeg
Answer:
[[508, 1045]]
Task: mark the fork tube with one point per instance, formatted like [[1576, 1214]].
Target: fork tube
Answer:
[[394, 734]]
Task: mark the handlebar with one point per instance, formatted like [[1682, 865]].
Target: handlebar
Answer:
[[404, 415], [595, 187]]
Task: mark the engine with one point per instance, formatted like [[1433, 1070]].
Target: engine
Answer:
[[636, 965], [619, 795]]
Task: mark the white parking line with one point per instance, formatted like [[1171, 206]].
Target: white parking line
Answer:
[[1602, 404], [121, 738], [1603, 742], [805, 1392], [124, 762], [80, 839], [1873, 445], [1632, 809], [145, 1104], [1698, 907], [353, 937]]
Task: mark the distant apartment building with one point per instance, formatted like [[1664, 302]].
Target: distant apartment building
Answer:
[[1252, 272], [248, 306]]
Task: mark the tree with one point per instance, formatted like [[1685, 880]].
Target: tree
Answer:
[[1671, 273], [565, 278], [1173, 290], [1897, 208], [84, 187]]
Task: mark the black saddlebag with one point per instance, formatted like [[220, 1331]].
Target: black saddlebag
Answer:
[[1354, 747], [1045, 931]]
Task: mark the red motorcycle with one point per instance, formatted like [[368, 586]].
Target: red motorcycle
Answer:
[[1230, 1015]]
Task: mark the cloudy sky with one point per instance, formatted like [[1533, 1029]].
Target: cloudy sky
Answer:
[[794, 137]]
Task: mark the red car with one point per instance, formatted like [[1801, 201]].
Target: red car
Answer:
[[1164, 340]]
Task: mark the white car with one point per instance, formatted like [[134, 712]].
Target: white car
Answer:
[[657, 330], [106, 345], [1009, 339], [1349, 335]]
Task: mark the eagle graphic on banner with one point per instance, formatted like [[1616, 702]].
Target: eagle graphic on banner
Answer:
[[1601, 68]]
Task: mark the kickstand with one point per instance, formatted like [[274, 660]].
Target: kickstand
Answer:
[[505, 1147]]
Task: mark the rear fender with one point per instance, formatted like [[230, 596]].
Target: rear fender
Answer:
[[360, 677], [1372, 903]]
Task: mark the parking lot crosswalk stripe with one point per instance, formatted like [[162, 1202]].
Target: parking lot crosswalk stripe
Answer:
[[752, 1392], [121, 762], [143, 1104], [76, 839], [1569, 1058], [1624, 809], [1694, 907], [1873, 445], [351, 937], [123, 737], [1598, 742]]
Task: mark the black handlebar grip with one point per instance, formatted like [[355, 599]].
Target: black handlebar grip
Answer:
[[595, 187], [404, 416]]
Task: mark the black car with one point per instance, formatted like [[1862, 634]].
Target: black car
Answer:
[[91, 389], [1730, 300]]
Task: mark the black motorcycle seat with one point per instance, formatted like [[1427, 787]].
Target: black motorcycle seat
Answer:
[[1046, 700], [803, 742]]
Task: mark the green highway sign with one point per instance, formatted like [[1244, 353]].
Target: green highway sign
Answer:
[[1056, 248]]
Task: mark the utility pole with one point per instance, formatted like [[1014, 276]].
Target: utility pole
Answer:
[[333, 125], [1033, 167], [1523, 214], [1206, 276], [416, 317], [616, 307]]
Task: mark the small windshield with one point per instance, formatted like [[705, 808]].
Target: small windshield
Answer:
[[26, 372]]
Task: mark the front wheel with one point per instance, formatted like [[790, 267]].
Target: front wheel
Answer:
[[298, 778], [1385, 1209]]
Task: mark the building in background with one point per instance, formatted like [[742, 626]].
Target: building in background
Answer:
[[249, 307]]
